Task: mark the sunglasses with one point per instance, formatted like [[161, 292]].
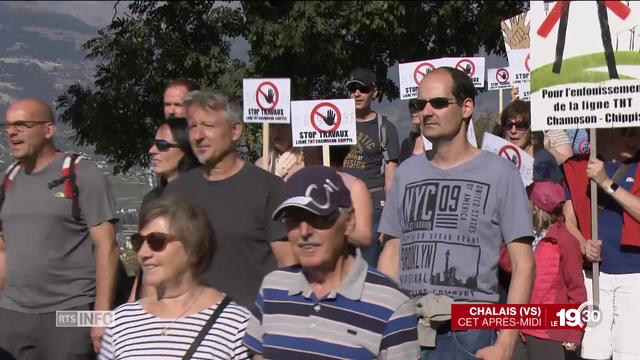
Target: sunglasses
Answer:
[[363, 89], [23, 125], [437, 103], [164, 145], [157, 241], [293, 218], [520, 125]]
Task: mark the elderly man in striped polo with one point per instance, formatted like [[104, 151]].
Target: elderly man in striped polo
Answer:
[[332, 305]]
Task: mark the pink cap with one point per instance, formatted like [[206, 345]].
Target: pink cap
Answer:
[[547, 195]]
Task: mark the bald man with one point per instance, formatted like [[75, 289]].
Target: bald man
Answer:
[[51, 260]]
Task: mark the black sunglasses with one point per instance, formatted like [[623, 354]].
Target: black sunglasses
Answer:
[[363, 88], [157, 241], [294, 217], [437, 103], [520, 125], [164, 145]]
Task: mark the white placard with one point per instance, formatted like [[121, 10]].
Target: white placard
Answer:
[[519, 60], [472, 66], [498, 78], [267, 100], [471, 136], [578, 90], [323, 122], [515, 31], [509, 151], [410, 75]]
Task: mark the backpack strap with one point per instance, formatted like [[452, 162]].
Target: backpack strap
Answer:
[[69, 179], [382, 132], [10, 174]]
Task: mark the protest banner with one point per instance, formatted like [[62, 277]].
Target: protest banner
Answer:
[[515, 32], [472, 66], [410, 75], [511, 152], [498, 78], [519, 60], [266, 100], [323, 123], [578, 78]]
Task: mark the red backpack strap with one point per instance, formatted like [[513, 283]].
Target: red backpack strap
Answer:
[[10, 174], [70, 181]]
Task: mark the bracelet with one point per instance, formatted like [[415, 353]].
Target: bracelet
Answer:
[[612, 188]]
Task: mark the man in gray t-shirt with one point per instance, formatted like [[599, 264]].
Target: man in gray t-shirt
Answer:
[[447, 213], [52, 258]]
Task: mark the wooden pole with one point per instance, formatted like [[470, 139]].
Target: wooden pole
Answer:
[[265, 146], [499, 101], [326, 156], [594, 221]]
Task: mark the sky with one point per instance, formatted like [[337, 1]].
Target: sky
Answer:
[[100, 13]]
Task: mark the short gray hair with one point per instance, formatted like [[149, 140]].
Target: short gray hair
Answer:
[[217, 100]]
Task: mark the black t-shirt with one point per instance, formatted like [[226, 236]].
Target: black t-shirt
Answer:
[[407, 145], [366, 158], [545, 167], [239, 209]]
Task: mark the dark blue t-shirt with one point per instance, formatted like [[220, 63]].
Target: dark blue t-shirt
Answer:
[[614, 259]]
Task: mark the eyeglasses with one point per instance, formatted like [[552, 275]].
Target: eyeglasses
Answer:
[[437, 103], [520, 125], [363, 88], [294, 217], [157, 241], [164, 145], [23, 125]]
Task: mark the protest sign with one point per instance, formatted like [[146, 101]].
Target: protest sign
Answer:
[[515, 32], [499, 78], [323, 122], [472, 66], [509, 151], [519, 60], [410, 75], [584, 76], [266, 100]]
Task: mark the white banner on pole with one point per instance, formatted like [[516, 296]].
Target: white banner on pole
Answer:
[[323, 122], [266, 100], [498, 78]]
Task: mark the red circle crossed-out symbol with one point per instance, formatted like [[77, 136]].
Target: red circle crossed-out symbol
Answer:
[[421, 71], [526, 62], [502, 76], [584, 147], [319, 121], [512, 154], [467, 66], [262, 94]]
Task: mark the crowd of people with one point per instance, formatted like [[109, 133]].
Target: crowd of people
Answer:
[[289, 259]]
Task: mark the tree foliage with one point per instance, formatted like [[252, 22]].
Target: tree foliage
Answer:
[[315, 43]]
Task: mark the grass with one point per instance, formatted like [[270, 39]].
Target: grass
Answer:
[[574, 70]]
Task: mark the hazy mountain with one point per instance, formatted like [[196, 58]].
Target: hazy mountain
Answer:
[[40, 56]]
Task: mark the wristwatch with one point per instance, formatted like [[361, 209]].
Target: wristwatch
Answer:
[[612, 188]]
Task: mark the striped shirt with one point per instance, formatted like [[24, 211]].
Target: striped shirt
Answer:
[[136, 334], [367, 317]]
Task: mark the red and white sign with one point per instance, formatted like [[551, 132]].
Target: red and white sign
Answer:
[[519, 65], [410, 75], [472, 66], [323, 122], [499, 78], [266, 100], [467, 66], [520, 159]]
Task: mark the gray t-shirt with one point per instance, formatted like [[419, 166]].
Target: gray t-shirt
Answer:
[[239, 209], [451, 222], [50, 262]]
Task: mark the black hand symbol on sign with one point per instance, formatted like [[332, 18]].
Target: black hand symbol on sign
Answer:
[[269, 96], [467, 69], [502, 75], [331, 117], [514, 160]]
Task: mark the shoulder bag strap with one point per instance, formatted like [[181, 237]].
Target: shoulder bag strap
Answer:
[[206, 327]]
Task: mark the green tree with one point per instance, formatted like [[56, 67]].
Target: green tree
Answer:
[[315, 43]]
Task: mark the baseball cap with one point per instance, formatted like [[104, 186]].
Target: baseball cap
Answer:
[[315, 188], [547, 195], [363, 77]]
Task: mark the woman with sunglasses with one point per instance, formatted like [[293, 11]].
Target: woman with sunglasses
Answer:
[[183, 318], [413, 144], [171, 155], [283, 159]]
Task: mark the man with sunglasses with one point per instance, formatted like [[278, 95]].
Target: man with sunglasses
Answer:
[[51, 260], [447, 214], [374, 158], [332, 305]]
